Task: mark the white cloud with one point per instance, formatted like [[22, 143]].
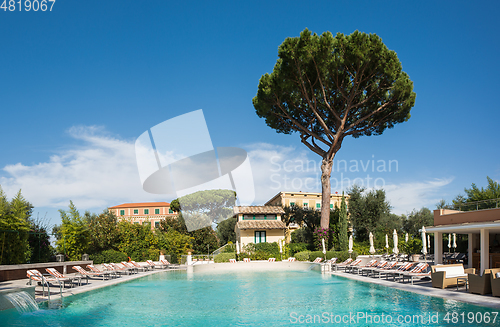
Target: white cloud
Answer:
[[405, 197], [100, 173]]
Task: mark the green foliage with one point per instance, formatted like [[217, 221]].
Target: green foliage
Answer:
[[262, 251], [224, 257], [297, 247], [213, 205], [14, 227], [367, 211], [302, 256], [416, 219], [103, 230], [204, 240], [225, 231], [39, 242], [138, 242], [413, 246], [73, 234], [343, 239], [340, 255], [492, 191], [329, 87], [108, 256], [175, 223], [174, 243]]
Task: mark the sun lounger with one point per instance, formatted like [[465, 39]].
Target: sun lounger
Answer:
[[414, 270], [106, 273], [395, 272], [62, 278], [153, 265], [378, 265], [138, 266], [350, 265], [232, 260], [165, 263], [357, 269], [291, 259], [35, 275], [331, 261], [86, 274], [246, 260], [116, 269], [336, 265], [130, 266], [422, 272], [318, 260], [271, 259], [383, 268]]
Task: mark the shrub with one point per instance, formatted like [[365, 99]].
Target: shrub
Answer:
[[108, 256], [297, 247], [261, 251], [224, 257], [302, 256], [340, 255]]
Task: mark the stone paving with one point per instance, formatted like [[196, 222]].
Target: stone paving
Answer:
[[424, 287]]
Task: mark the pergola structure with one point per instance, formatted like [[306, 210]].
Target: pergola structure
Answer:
[[482, 228]]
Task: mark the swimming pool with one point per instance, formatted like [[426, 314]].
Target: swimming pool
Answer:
[[278, 298]]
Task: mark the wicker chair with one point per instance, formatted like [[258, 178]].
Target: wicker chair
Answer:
[[481, 284], [495, 284]]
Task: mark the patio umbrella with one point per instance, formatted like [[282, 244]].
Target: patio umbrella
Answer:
[[350, 243], [237, 248], [429, 241], [406, 238], [386, 241], [323, 244], [424, 243], [395, 250], [281, 247], [449, 243], [372, 248], [454, 241]]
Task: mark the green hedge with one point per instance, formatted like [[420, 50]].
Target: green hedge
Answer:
[[224, 257], [297, 247], [340, 255], [302, 256], [311, 256], [108, 256]]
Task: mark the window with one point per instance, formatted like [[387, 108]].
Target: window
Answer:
[[260, 237], [331, 206], [136, 211], [318, 205], [306, 205], [170, 210], [292, 204], [157, 224], [122, 212], [146, 211], [146, 223], [157, 211]]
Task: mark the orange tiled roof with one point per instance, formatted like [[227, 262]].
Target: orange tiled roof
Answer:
[[260, 224], [258, 209], [141, 204]]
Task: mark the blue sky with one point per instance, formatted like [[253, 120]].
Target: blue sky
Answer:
[[79, 84]]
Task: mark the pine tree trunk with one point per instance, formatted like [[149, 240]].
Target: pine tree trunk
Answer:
[[326, 190]]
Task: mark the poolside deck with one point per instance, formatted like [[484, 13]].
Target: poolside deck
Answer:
[[425, 288], [93, 284]]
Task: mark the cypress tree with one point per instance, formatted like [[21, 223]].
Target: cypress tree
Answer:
[[343, 239]]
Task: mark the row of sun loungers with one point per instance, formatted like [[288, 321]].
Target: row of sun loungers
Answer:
[[398, 271], [108, 271]]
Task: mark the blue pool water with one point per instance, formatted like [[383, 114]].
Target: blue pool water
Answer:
[[247, 299]]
